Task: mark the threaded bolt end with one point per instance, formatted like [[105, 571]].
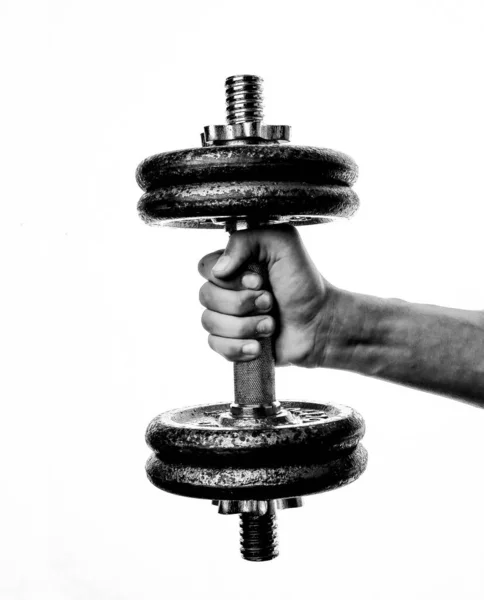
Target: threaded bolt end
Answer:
[[244, 99], [258, 536]]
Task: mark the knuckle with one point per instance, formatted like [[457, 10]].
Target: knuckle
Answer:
[[287, 234], [245, 328], [228, 351], [234, 352], [240, 303]]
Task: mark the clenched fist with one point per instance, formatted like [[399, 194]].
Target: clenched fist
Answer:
[[239, 311]]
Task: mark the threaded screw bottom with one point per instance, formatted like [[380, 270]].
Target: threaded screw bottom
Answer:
[[258, 536]]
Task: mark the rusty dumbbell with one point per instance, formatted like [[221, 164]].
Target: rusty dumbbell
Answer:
[[255, 454]]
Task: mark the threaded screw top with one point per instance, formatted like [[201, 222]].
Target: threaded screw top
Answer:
[[244, 99]]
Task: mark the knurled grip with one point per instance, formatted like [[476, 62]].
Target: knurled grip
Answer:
[[254, 381]]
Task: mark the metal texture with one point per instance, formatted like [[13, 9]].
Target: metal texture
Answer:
[[258, 482], [205, 187], [258, 507], [216, 134], [211, 205], [196, 456], [258, 536], [255, 381], [258, 524], [244, 116], [243, 95], [250, 162]]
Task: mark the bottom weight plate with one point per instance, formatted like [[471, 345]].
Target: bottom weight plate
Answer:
[[195, 456]]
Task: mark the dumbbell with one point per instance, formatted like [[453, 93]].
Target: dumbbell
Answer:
[[256, 454]]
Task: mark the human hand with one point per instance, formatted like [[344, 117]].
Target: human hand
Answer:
[[239, 311]]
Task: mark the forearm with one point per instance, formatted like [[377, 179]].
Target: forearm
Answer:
[[428, 347]]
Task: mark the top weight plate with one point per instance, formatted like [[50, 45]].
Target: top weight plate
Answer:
[[262, 183]]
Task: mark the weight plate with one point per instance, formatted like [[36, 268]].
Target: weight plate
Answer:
[[196, 429], [247, 162], [265, 482], [195, 456], [210, 205]]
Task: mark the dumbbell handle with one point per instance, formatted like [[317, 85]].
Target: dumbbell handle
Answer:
[[254, 381]]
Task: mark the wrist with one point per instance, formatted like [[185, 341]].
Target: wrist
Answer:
[[351, 331]]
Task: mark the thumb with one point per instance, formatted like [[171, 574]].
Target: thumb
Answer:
[[242, 247]]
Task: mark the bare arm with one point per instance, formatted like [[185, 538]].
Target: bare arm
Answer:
[[428, 347]]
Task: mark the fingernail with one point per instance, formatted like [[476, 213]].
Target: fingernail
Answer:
[[250, 281], [263, 301], [222, 263], [250, 348], [264, 326]]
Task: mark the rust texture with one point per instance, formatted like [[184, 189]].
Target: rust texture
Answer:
[[197, 429], [262, 482], [297, 203], [271, 183], [268, 183], [251, 162], [195, 456]]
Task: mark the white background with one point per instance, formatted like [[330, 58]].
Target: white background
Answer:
[[100, 319]]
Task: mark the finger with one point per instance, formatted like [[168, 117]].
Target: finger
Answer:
[[229, 326], [237, 303], [243, 280], [257, 245], [242, 247], [235, 350]]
